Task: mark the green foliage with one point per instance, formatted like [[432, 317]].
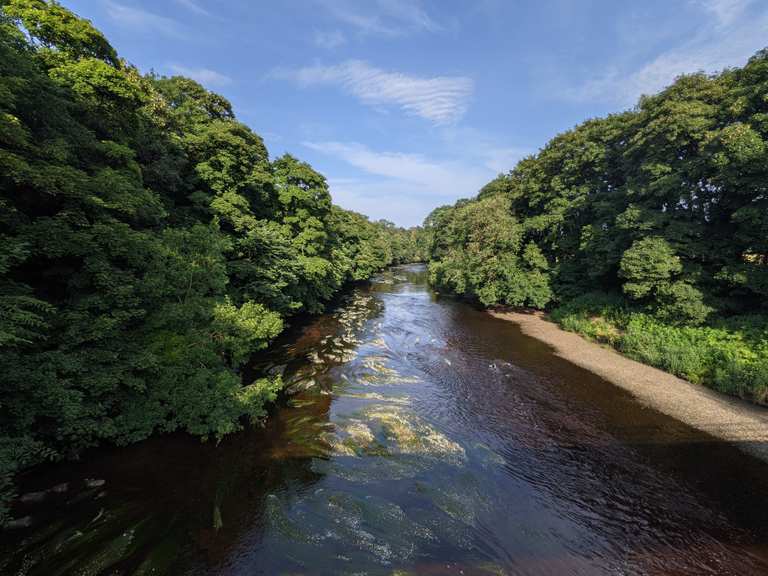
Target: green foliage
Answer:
[[483, 258], [148, 247], [56, 27], [681, 303], [730, 355], [597, 315], [648, 265], [663, 206]]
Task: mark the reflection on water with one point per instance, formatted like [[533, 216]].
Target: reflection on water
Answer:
[[424, 437]]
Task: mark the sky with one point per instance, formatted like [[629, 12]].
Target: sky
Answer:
[[408, 105]]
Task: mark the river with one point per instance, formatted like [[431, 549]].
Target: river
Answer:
[[431, 439]]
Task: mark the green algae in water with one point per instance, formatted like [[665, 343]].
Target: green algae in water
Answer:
[[359, 434], [462, 498], [282, 524], [374, 469], [485, 457], [387, 377], [379, 526], [353, 439], [381, 398], [406, 433], [370, 530]]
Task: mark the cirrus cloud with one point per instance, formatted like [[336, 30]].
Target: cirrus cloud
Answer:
[[193, 6], [732, 31], [329, 40], [440, 99], [382, 17], [433, 177], [142, 20]]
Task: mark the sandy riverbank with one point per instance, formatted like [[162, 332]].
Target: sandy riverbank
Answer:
[[725, 418]]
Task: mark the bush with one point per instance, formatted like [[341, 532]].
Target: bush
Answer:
[[598, 315], [676, 350], [729, 355], [680, 303], [646, 265]]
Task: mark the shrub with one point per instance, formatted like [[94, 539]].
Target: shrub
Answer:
[[596, 315], [681, 303], [729, 355], [647, 265]]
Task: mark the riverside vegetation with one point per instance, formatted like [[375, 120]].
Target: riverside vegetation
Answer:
[[148, 246], [646, 230]]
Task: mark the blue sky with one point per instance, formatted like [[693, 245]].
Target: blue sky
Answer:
[[407, 105]]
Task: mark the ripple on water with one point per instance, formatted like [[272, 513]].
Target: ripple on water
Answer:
[[433, 455], [406, 433], [375, 396], [371, 530]]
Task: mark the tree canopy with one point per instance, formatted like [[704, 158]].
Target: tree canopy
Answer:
[[666, 203], [148, 246], [646, 229]]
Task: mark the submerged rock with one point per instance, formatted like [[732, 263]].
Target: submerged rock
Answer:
[[408, 434], [41, 495], [16, 523], [300, 386], [400, 399], [33, 496], [278, 370]]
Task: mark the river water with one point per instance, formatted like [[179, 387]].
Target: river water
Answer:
[[432, 439]]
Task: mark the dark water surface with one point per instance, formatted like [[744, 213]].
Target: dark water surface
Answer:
[[435, 440]]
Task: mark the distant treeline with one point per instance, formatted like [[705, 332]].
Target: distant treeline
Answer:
[[148, 246], [646, 229]]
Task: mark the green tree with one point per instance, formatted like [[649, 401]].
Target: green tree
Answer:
[[148, 247]]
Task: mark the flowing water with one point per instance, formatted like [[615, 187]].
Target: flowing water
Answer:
[[425, 437]]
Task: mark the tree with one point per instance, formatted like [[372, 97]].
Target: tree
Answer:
[[648, 265], [483, 258], [148, 247]]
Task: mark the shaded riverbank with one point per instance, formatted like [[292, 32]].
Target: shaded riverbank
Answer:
[[729, 419], [431, 439]]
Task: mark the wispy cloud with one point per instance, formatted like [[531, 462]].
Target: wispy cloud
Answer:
[[329, 40], [398, 202], [205, 76], [136, 18], [725, 11], [405, 187], [482, 148], [730, 34], [194, 6], [382, 17], [441, 178], [440, 99]]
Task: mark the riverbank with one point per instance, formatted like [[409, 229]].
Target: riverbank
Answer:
[[436, 439], [728, 419]]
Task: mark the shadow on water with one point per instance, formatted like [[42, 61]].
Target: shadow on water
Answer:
[[173, 504], [718, 469], [426, 437], [610, 464], [164, 503]]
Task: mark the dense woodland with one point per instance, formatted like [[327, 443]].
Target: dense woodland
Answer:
[[647, 230], [148, 246]]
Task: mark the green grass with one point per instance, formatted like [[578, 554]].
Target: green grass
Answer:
[[729, 354]]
